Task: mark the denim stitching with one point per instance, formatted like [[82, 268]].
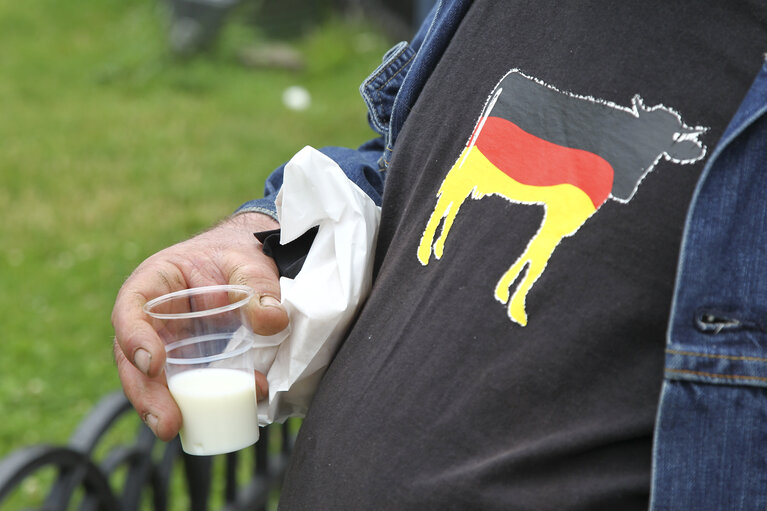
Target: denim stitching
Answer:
[[387, 65], [401, 68], [375, 93], [384, 68], [367, 88], [389, 150], [724, 357], [720, 376], [256, 209]]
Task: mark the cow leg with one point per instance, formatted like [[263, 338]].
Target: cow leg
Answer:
[[454, 190], [517, 303], [452, 211], [447, 208], [441, 209], [562, 219], [502, 288], [535, 257]]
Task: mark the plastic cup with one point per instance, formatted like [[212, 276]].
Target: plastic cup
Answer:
[[209, 367]]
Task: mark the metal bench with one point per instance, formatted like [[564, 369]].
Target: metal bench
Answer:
[[97, 471]]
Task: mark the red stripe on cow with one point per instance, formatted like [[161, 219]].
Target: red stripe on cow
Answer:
[[534, 161]]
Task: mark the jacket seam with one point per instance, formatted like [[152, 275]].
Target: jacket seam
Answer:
[[376, 92], [711, 355], [398, 71], [256, 209], [715, 375], [386, 65]]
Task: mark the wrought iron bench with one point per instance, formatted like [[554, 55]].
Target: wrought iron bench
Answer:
[[101, 469]]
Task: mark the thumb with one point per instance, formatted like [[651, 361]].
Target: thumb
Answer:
[[266, 312]]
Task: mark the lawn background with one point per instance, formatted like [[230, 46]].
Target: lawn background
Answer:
[[112, 149]]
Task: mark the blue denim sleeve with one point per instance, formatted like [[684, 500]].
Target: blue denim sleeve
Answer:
[[360, 166]]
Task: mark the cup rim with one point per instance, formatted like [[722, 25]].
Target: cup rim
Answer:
[[194, 291], [202, 360]]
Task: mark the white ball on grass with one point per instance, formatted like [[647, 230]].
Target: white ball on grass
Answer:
[[296, 98]]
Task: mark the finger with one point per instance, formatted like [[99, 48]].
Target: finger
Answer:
[[134, 334], [150, 397], [262, 386], [135, 337]]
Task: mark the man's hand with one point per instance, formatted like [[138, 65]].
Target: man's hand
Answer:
[[225, 254]]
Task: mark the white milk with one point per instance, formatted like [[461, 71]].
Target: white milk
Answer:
[[218, 407]]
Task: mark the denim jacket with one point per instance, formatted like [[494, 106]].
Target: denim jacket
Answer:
[[711, 433], [710, 449]]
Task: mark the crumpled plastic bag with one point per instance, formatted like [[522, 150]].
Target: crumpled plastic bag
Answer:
[[324, 297]]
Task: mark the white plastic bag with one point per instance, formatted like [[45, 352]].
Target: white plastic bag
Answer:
[[335, 279]]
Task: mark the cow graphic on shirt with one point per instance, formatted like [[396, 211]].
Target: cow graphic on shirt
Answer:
[[534, 144]]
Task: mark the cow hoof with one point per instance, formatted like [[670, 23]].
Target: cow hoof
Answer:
[[424, 253], [502, 293], [517, 313]]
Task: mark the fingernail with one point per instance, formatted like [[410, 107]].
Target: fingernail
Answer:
[[269, 301], [142, 359], [151, 421]]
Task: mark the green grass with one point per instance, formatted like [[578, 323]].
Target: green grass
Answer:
[[111, 149]]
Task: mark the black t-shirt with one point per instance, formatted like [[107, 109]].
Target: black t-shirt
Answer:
[[554, 151]]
